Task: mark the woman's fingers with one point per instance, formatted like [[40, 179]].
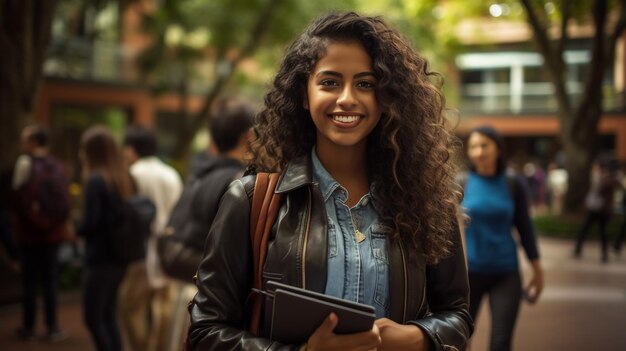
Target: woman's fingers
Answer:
[[325, 339]]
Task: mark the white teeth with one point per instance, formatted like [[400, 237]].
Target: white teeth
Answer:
[[345, 119]]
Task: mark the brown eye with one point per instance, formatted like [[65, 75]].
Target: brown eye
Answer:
[[366, 85], [328, 83]]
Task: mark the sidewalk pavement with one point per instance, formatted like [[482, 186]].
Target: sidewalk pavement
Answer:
[[583, 307], [70, 320]]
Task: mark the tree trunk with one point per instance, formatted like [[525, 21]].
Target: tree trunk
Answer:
[[581, 129], [578, 125], [579, 135], [24, 37]]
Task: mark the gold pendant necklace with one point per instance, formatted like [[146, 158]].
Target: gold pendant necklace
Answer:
[[357, 233]]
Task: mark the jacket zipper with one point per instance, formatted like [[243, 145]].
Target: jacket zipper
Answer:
[[306, 238], [423, 298], [406, 280]]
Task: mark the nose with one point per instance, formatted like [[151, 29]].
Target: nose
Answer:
[[479, 151], [475, 151], [347, 97]]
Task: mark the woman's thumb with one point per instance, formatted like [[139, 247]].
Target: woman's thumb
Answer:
[[329, 323]]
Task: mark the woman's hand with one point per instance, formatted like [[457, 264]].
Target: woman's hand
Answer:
[[324, 339], [535, 286], [401, 336]]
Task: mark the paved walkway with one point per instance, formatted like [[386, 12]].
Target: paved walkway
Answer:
[[583, 308], [70, 319]]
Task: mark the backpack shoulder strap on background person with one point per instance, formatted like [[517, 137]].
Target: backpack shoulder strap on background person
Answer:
[[513, 187], [263, 213]]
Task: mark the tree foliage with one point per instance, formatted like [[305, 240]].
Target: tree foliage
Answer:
[[206, 40]]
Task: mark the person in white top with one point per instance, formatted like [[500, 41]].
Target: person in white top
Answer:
[[145, 296], [557, 187]]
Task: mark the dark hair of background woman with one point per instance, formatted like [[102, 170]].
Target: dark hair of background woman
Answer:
[[103, 155], [409, 150]]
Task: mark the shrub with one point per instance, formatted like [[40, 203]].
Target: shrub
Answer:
[[568, 226]]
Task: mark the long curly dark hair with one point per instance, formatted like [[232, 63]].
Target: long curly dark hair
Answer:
[[408, 152]]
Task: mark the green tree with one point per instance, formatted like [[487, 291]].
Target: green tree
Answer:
[[219, 32], [578, 118], [24, 38], [578, 115], [25, 31]]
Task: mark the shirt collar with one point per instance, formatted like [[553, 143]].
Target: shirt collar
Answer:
[[327, 184]]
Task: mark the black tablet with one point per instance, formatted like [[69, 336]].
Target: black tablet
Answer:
[[297, 313]]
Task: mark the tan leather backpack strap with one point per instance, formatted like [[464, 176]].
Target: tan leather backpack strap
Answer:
[[265, 206], [258, 197]]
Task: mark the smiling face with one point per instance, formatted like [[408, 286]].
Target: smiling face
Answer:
[[483, 153], [341, 97]]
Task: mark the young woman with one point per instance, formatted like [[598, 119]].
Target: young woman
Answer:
[[355, 125], [496, 202], [106, 184]]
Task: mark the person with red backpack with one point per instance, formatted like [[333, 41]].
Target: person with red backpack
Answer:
[[41, 209]]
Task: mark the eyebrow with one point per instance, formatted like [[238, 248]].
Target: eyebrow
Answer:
[[339, 75]]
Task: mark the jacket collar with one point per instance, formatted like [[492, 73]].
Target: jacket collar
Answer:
[[296, 174]]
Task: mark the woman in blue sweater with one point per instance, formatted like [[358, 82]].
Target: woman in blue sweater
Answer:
[[495, 203]]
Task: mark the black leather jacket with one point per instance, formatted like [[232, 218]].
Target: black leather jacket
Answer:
[[435, 298]]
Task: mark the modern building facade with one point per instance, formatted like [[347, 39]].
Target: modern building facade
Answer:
[[502, 82]]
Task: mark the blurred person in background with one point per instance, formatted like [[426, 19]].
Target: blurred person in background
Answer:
[[231, 132], [145, 296], [7, 239], [556, 186], [41, 209], [535, 179], [106, 184], [495, 203], [599, 205]]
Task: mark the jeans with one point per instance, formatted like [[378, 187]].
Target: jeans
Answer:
[[602, 219], [39, 265], [100, 305], [622, 233], [505, 293]]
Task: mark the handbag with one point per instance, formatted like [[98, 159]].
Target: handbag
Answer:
[[177, 260], [265, 205]]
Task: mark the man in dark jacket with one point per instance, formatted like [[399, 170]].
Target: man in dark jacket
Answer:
[[230, 130], [191, 219]]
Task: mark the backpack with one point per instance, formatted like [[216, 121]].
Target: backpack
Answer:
[[134, 226], [44, 202], [181, 246]]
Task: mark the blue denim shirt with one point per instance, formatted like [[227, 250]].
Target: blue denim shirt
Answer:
[[356, 271]]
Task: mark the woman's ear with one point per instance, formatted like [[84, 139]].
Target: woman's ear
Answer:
[[305, 103]]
